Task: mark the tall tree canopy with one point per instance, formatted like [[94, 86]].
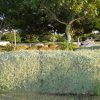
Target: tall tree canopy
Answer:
[[10, 9], [24, 14], [33, 16], [68, 11]]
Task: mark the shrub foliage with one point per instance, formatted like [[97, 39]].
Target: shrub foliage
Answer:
[[51, 71]]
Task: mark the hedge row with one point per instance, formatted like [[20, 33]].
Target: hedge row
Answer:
[[51, 71]]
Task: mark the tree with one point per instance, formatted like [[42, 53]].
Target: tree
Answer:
[[10, 9], [33, 16], [68, 11]]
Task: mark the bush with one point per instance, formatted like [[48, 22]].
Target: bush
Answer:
[[33, 47], [95, 37], [47, 37], [1, 48], [60, 38], [70, 46], [8, 47], [10, 37], [52, 46], [21, 47], [30, 38], [52, 72]]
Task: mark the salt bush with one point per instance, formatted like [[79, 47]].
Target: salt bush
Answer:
[[51, 71], [16, 68]]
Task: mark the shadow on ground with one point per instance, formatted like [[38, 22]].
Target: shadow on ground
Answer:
[[37, 96]]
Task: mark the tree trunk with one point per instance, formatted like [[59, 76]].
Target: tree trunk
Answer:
[[14, 32], [30, 44], [30, 40], [78, 41], [68, 34]]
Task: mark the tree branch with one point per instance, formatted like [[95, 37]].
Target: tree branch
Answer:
[[76, 19], [5, 27], [55, 18], [60, 21], [1, 25]]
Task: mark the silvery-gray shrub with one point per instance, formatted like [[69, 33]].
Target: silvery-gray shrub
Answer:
[[50, 71]]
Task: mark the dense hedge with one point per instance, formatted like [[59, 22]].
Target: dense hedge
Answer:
[[50, 71]]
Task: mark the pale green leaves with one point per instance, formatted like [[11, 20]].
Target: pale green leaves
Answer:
[[55, 71], [92, 9]]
